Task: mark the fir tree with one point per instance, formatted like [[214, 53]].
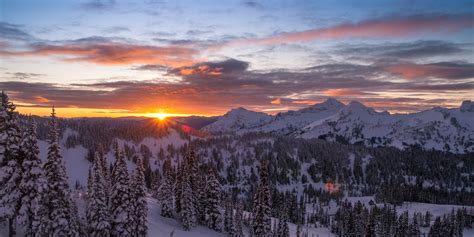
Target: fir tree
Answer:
[[262, 204], [139, 199], [32, 183], [10, 163], [98, 217], [165, 196], [120, 199], [58, 216], [283, 229], [237, 230], [188, 211], [212, 209]]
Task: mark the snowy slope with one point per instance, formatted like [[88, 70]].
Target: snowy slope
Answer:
[[292, 121], [238, 119], [77, 165]]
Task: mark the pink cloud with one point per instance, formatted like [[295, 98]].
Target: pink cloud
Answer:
[[374, 28]]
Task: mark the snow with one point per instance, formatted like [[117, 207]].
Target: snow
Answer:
[[438, 128]]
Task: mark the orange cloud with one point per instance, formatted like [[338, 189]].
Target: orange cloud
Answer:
[[41, 99], [200, 70], [440, 70], [114, 54], [342, 92], [276, 101], [374, 28], [305, 102]]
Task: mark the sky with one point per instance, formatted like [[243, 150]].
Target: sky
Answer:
[[199, 57]]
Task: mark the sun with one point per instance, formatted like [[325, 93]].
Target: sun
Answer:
[[161, 116]]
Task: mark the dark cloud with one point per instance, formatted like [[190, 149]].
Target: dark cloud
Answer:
[[397, 51], [152, 67], [116, 29], [213, 68], [13, 32], [23, 75], [444, 70], [198, 32], [253, 4], [99, 5]]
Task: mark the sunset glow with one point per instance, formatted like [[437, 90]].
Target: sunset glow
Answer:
[[84, 59]]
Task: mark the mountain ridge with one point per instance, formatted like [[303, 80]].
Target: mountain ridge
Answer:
[[437, 128]]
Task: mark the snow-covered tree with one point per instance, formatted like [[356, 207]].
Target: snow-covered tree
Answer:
[[10, 163], [262, 204], [97, 212], [140, 209], [283, 229], [120, 199], [165, 192], [212, 208], [188, 197], [32, 183], [237, 230], [58, 217]]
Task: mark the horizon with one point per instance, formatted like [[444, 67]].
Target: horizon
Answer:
[[183, 58], [171, 116]]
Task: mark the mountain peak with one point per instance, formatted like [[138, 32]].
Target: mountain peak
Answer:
[[329, 103], [356, 104], [467, 106]]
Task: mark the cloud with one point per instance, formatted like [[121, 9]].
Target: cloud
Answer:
[[111, 53], [386, 27], [116, 29], [23, 75], [212, 68], [13, 32], [445, 70], [99, 5], [397, 51], [204, 93]]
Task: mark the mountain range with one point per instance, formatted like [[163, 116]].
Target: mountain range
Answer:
[[444, 129]]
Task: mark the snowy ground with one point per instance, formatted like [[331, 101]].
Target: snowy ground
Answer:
[[159, 226]]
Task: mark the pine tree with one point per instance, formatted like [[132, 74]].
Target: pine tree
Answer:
[[120, 199], [140, 211], [98, 217], [227, 216], [10, 163], [165, 196], [262, 204], [212, 209], [32, 183], [283, 229], [188, 210], [371, 222], [58, 217], [237, 230]]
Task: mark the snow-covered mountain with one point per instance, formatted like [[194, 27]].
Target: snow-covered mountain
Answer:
[[238, 119], [438, 128]]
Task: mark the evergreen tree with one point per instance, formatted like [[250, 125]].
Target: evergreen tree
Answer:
[[140, 211], [32, 183], [58, 216], [188, 194], [283, 229], [262, 204], [237, 230], [227, 216], [188, 211], [120, 199], [165, 191], [212, 209], [97, 212], [10, 163]]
